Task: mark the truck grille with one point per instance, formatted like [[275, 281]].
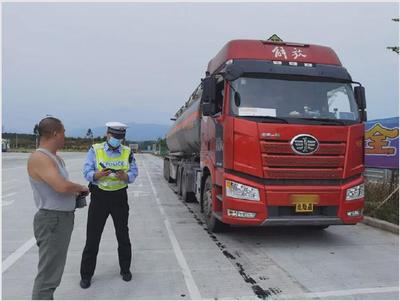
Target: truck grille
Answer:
[[279, 161]]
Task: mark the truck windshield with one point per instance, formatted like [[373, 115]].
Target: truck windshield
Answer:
[[293, 99]]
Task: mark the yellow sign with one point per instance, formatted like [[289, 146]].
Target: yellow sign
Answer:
[[275, 38], [304, 202], [304, 207], [377, 140]]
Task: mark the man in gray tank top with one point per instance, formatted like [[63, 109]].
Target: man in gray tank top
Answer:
[[54, 196]]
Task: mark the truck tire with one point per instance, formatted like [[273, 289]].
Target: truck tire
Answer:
[[179, 181], [167, 171], [213, 224], [188, 197]]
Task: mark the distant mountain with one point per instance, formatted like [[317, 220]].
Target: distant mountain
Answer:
[[135, 132]]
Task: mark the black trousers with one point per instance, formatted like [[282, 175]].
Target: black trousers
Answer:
[[103, 203]]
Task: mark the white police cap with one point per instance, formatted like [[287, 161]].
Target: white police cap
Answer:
[[116, 128], [116, 125]]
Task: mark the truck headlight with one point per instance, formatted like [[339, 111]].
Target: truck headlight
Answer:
[[354, 193], [241, 191]]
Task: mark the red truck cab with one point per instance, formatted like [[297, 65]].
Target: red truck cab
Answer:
[[282, 137]]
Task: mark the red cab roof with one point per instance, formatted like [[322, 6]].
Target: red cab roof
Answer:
[[273, 51]]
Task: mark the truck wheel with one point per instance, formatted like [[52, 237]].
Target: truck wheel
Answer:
[[186, 196], [179, 181], [166, 169], [213, 224]]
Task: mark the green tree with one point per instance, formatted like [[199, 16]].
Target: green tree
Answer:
[[36, 132], [89, 134], [162, 146]]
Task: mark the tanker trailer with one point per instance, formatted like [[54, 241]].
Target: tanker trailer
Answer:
[[182, 165]]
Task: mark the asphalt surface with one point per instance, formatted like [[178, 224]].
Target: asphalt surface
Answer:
[[175, 257]]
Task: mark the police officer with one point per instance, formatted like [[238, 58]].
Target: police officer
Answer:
[[109, 167]]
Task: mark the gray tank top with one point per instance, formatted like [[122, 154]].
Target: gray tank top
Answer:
[[46, 197]]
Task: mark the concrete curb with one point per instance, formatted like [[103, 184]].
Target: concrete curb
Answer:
[[377, 223]]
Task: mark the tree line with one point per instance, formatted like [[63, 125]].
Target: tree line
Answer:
[[30, 142]]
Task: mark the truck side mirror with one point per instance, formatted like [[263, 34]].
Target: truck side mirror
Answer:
[[359, 95], [208, 106], [237, 99], [363, 115]]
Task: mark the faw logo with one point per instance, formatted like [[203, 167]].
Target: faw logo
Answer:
[[304, 144]]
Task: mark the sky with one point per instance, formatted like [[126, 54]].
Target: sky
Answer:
[[89, 63]]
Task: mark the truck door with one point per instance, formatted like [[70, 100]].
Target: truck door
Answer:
[[212, 132]]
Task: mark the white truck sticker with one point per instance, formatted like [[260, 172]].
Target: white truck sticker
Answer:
[[247, 111]]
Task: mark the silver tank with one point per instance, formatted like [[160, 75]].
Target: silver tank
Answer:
[[184, 135]]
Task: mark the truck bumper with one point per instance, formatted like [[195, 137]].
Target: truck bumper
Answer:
[[302, 221], [276, 205]]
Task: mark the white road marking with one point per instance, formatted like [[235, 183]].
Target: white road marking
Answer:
[[189, 280], [9, 194], [340, 293], [10, 260], [6, 203]]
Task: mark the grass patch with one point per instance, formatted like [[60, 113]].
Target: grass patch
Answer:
[[375, 194]]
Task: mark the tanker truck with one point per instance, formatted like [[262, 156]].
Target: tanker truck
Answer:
[[273, 135]]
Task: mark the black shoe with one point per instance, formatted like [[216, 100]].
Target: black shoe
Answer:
[[85, 283], [126, 276]]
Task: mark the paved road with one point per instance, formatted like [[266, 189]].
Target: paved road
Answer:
[[175, 257]]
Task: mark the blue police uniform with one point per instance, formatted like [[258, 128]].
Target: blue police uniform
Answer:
[[104, 203]]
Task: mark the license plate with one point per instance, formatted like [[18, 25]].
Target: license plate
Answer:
[[304, 202], [304, 207]]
